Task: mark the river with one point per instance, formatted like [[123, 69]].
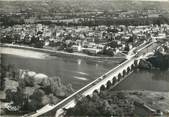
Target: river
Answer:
[[78, 72], [154, 80]]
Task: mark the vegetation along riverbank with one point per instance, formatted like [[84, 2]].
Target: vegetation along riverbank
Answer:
[[24, 91], [160, 59], [53, 52], [122, 103]]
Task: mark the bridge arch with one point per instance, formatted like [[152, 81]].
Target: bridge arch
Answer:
[[102, 88], [96, 91], [108, 84], [132, 66], [128, 70], [89, 96], [136, 62], [119, 76]]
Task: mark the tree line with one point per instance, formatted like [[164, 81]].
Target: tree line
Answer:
[[13, 20]]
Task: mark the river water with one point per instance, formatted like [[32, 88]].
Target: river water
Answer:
[[79, 72], [154, 80]]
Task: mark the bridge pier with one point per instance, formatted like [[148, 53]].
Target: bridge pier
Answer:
[[124, 73], [136, 62], [119, 77], [114, 80]]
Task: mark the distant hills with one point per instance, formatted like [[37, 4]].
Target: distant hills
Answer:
[[48, 6]]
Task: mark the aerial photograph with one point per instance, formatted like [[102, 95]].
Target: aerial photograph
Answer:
[[84, 58]]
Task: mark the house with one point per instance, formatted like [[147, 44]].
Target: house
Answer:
[[92, 50], [99, 46], [77, 48], [91, 45]]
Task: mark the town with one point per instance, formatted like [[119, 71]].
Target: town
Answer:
[[97, 40], [84, 58]]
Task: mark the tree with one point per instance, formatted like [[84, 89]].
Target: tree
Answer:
[[9, 94], [29, 81], [108, 52], [37, 100], [69, 89], [45, 100], [20, 98], [69, 49], [106, 111], [37, 94], [22, 83], [2, 81], [53, 99], [33, 105], [46, 85]]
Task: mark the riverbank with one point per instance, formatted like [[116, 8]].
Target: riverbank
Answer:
[[158, 59], [26, 91], [151, 100], [135, 103], [23, 53], [61, 53], [156, 62]]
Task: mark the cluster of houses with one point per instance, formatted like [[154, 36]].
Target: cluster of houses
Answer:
[[91, 40]]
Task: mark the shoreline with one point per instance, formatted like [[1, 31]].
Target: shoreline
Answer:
[[153, 102], [60, 53]]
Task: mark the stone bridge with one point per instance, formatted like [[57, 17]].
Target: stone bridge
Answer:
[[107, 80]]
